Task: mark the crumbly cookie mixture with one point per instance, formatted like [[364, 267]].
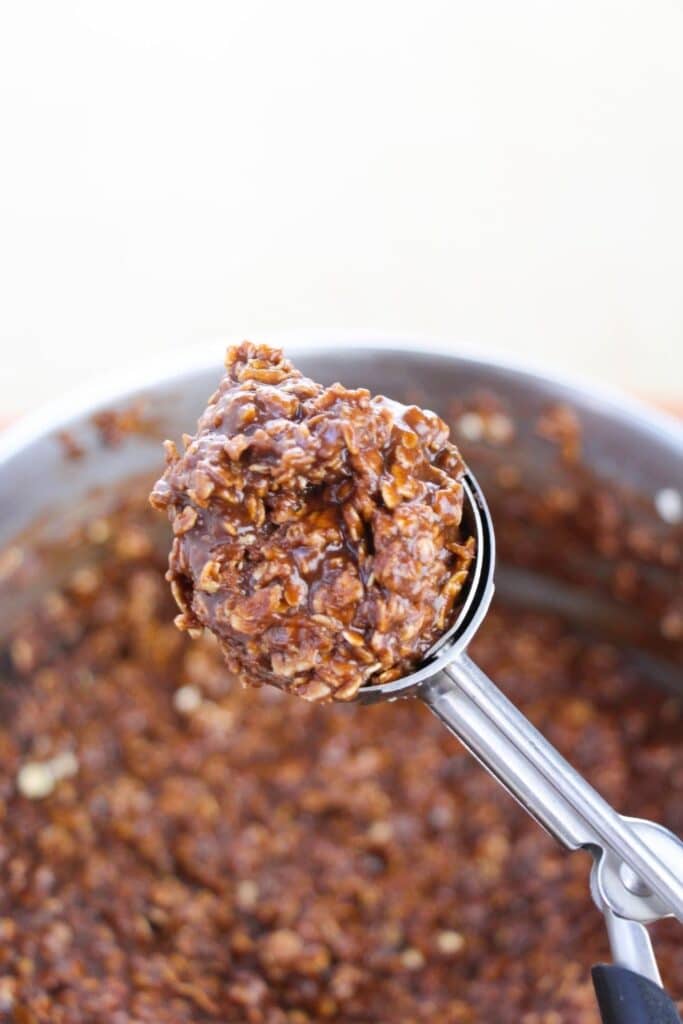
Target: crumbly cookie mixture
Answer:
[[317, 529], [175, 848]]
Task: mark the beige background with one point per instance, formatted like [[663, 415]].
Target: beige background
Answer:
[[510, 175]]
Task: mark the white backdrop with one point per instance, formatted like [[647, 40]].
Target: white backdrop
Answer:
[[510, 174]]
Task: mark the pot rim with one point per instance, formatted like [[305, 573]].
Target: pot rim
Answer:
[[169, 365]]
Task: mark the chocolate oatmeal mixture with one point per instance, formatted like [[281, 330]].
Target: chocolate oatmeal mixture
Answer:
[[175, 848], [317, 529]]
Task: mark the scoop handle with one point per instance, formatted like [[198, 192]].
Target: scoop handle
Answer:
[[553, 792], [625, 997]]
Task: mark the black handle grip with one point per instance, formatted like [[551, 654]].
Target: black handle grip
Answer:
[[625, 997]]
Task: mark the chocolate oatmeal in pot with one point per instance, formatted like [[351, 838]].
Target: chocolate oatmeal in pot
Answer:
[[175, 849], [317, 529]]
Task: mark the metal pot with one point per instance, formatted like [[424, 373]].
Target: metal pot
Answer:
[[630, 455], [588, 523]]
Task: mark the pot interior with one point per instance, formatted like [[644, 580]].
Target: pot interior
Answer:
[[573, 484], [216, 853]]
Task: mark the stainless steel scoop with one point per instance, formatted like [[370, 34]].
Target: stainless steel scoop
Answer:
[[637, 875]]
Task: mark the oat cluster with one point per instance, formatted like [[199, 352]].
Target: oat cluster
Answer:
[[317, 530]]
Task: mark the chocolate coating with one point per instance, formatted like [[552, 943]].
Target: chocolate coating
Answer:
[[317, 529]]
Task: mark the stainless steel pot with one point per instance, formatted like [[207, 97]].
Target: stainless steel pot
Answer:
[[628, 450], [630, 467]]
